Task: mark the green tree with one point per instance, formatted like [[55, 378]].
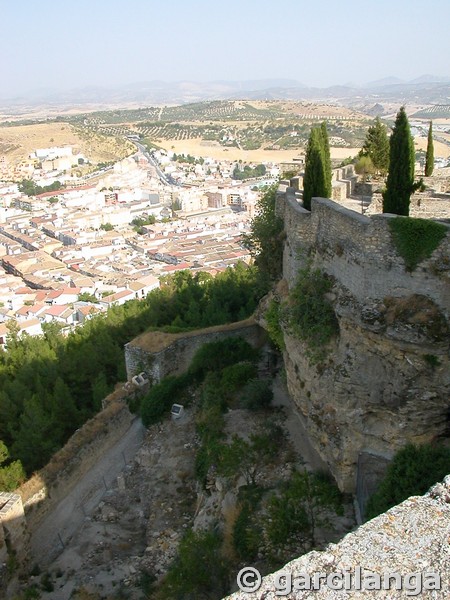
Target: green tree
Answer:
[[265, 241], [376, 146], [64, 412], [304, 505], [413, 470], [257, 394], [100, 389], [87, 297], [35, 440], [248, 458], [400, 181], [315, 177], [429, 159], [364, 167], [107, 227], [11, 473], [326, 158], [199, 570]]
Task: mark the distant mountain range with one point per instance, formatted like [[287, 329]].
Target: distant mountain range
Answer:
[[424, 89]]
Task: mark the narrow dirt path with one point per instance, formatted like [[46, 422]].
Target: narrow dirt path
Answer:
[[60, 525]]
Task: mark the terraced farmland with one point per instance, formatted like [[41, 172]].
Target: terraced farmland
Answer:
[[439, 111]]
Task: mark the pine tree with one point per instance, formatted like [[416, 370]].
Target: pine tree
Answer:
[[35, 439], [400, 181], [376, 146], [314, 179], [429, 160], [326, 158], [64, 414]]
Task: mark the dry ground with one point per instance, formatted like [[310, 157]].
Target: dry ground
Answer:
[[135, 527], [17, 142], [440, 149], [198, 147]]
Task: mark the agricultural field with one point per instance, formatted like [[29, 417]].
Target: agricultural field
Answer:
[[270, 131], [441, 149], [438, 111], [234, 130], [199, 147]]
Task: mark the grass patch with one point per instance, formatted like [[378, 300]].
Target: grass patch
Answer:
[[416, 239], [273, 319]]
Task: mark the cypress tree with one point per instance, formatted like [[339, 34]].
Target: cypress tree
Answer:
[[400, 181], [429, 160], [326, 158], [314, 179]]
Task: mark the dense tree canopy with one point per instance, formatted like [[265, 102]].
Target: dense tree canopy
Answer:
[[248, 172], [30, 188]]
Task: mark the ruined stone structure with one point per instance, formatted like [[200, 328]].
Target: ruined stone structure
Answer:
[[13, 531], [161, 354], [46, 488], [386, 380], [343, 181]]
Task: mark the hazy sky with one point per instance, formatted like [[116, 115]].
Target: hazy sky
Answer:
[[64, 45]]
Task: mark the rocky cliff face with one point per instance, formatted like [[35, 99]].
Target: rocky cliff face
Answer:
[[386, 378], [380, 386]]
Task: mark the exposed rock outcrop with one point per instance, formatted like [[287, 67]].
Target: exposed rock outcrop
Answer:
[[386, 378]]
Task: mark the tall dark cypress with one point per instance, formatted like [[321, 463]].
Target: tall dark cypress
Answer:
[[400, 181], [429, 160], [314, 179], [326, 158]]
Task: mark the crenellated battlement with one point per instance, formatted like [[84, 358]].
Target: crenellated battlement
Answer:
[[358, 251]]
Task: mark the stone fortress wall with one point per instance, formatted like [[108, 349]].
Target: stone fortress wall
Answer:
[[22, 512], [162, 354], [358, 251], [343, 182], [48, 486], [376, 391], [13, 531]]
